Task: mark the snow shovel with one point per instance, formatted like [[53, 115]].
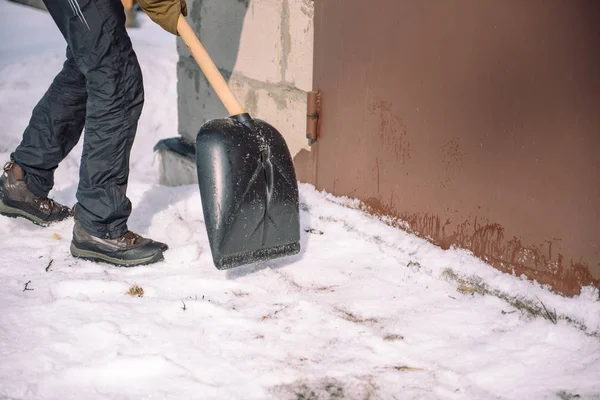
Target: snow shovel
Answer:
[[246, 177]]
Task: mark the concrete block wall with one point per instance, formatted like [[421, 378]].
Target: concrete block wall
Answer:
[[264, 48]]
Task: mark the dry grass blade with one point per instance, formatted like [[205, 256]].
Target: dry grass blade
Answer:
[[406, 368], [547, 314]]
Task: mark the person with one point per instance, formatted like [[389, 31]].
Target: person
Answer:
[[100, 87]]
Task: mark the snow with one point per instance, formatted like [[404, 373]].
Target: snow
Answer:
[[365, 311]]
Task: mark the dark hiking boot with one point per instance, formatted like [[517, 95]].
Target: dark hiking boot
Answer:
[[18, 201], [163, 246], [127, 251]]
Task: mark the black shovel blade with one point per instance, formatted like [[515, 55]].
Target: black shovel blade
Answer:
[[249, 191]]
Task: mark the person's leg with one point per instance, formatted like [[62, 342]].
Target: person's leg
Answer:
[[54, 128], [96, 34]]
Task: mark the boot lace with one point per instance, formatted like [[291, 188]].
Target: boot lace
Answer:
[[45, 203], [130, 237]]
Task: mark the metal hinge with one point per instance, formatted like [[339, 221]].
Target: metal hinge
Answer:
[[313, 114]]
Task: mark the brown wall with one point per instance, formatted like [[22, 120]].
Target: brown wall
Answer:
[[475, 121]]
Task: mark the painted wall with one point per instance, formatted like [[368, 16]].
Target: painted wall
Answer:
[[476, 124]]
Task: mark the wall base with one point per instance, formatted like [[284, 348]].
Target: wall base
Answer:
[[177, 162]]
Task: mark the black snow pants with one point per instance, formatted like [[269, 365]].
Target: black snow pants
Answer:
[[100, 87]]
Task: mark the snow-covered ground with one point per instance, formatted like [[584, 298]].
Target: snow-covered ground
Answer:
[[364, 312]]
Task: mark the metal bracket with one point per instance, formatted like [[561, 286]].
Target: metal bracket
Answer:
[[313, 113]]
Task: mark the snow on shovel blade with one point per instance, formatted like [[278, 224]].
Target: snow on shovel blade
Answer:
[[249, 191]]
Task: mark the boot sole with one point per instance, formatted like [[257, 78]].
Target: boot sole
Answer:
[[16, 213], [98, 257]]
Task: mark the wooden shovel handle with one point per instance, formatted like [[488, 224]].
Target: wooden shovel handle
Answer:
[[208, 67]]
